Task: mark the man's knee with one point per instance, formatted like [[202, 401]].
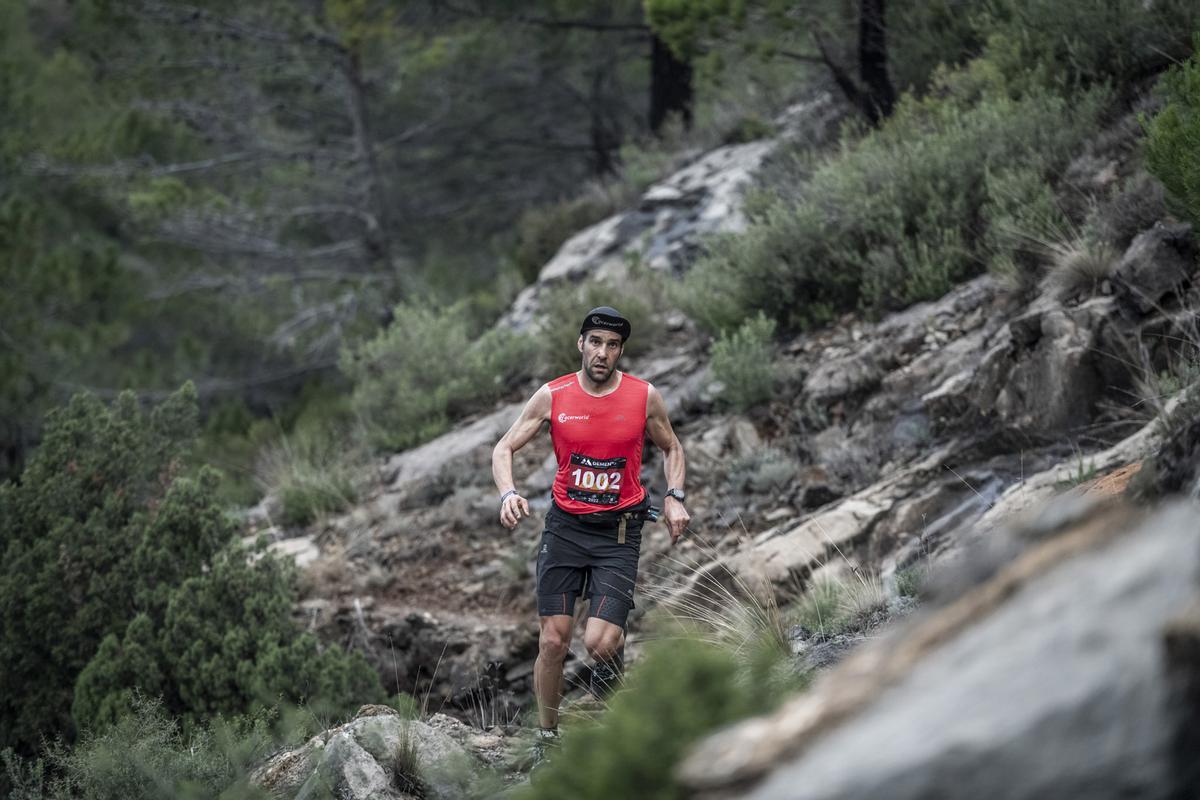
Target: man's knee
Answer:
[[605, 643], [554, 642]]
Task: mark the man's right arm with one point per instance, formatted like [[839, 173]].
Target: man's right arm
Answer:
[[536, 411]]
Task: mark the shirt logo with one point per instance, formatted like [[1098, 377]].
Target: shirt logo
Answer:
[[573, 418]]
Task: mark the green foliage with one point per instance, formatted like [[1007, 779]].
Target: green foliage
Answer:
[[406, 765], [893, 218], [1173, 138], [137, 571], [1024, 223], [21, 779], [543, 229], [146, 755], [910, 580], [749, 129], [681, 691], [766, 471], [429, 367], [312, 472], [744, 364], [837, 604], [1081, 44], [76, 532]]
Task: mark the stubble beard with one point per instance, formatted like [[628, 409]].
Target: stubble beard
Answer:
[[599, 381]]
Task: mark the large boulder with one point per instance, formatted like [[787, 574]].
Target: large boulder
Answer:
[[1042, 377], [1070, 672], [377, 756], [1157, 262]]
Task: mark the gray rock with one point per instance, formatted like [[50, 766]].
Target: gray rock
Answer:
[[1044, 379], [1157, 261], [370, 757], [345, 769], [1055, 685], [665, 229]]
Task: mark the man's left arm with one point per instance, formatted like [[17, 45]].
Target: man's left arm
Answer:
[[658, 426]]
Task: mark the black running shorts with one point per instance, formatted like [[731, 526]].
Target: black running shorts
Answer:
[[578, 559]]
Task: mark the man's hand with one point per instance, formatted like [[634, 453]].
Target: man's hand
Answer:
[[512, 510], [676, 516]]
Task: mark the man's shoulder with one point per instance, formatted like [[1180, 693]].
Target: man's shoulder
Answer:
[[561, 382], [625, 376]]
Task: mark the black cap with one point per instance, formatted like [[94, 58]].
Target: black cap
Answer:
[[606, 318]]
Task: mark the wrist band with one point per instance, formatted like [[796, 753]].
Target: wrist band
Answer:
[[504, 496]]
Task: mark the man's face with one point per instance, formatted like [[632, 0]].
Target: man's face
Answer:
[[601, 351]]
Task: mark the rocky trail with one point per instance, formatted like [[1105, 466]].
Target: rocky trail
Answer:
[[914, 439]]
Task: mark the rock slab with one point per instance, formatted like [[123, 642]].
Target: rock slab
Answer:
[[1062, 690]]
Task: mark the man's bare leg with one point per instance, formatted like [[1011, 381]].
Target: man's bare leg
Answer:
[[605, 643], [554, 640]]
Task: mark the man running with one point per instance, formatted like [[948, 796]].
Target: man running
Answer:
[[599, 418]]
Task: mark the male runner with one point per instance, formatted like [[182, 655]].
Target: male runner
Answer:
[[599, 418]]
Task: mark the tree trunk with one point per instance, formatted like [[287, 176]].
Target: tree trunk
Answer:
[[604, 139], [670, 86], [880, 96], [378, 236]]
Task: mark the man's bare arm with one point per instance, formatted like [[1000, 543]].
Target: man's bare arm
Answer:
[[658, 426], [536, 411]]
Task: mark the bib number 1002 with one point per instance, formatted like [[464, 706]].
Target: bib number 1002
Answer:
[[600, 481]]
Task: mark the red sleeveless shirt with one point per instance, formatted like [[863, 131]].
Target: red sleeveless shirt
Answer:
[[598, 444]]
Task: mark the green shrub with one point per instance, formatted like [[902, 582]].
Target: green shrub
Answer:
[[542, 230], [315, 427], [312, 472], [138, 573], [748, 129], [1024, 222], [1082, 44], [744, 364], [910, 580], [893, 218], [681, 691], [75, 535], [833, 605], [428, 368], [147, 755], [1173, 138]]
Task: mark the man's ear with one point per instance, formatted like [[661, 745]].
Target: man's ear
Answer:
[[579, 344]]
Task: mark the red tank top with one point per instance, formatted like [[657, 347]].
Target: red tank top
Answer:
[[598, 444]]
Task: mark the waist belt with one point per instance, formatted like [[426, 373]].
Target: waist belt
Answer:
[[639, 513]]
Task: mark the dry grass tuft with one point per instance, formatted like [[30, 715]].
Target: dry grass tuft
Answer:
[[1080, 267]]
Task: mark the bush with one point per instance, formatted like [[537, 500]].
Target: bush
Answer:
[[148, 756], [312, 472], [767, 471], [136, 571], [681, 691], [429, 367], [744, 364], [1024, 223], [1173, 141], [75, 535], [1082, 44], [542, 230], [891, 219], [834, 605]]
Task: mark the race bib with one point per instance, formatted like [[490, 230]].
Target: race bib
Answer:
[[595, 480]]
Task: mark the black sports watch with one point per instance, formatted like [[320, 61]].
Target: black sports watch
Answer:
[[677, 494]]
